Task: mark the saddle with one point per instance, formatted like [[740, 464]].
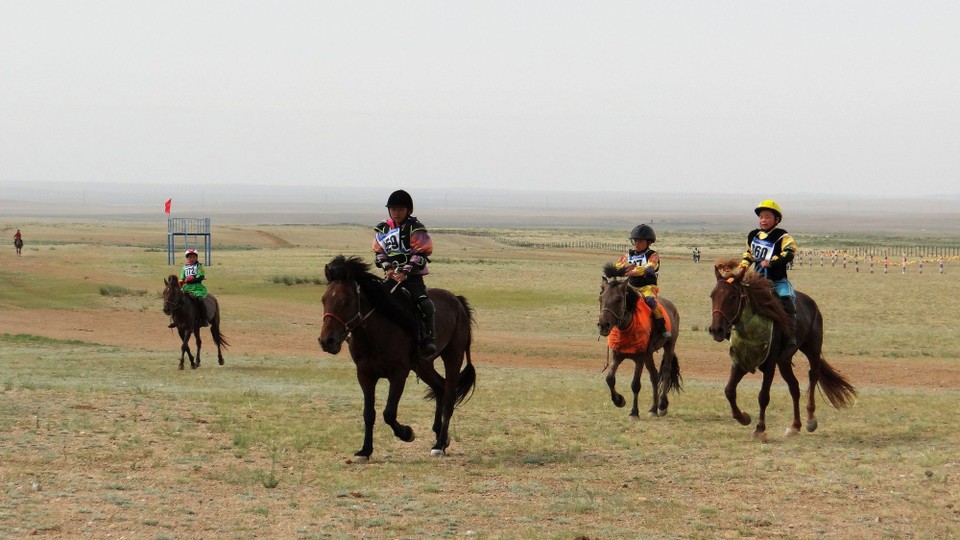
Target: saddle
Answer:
[[636, 337]]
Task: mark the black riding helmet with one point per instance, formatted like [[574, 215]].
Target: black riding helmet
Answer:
[[643, 232], [400, 199]]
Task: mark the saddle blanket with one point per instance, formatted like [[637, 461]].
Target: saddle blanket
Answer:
[[636, 337]]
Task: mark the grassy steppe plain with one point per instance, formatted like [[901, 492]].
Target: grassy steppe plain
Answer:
[[101, 436]]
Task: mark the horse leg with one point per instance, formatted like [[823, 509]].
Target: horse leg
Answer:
[[196, 334], [612, 380], [439, 390], [185, 346], [786, 371], [369, 387], [654, 383], [813, 356], [736, 374], [397, 383], [769, 369], [446, 402], [635, 385]]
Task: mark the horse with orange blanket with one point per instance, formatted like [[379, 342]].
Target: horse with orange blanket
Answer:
[[625, 319]]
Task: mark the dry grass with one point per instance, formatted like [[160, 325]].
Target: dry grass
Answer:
[[100, 435]]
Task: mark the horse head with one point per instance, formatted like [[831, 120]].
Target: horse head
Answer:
[[172, 295], [617, 300], [341, 301], [728, 298]]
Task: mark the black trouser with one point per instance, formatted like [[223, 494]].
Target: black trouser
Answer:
[[418, 291]]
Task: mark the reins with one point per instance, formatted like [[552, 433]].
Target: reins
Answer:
[[349, 326], [741, 294]]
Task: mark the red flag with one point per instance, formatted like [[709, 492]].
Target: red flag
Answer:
[[166, 206]]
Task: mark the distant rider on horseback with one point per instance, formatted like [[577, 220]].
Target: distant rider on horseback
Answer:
[[643, 269], [402, 246], [191, 280]]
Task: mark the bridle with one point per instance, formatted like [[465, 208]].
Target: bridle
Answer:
[[742, 294], [173, 305], [353, 322], [623, 310]]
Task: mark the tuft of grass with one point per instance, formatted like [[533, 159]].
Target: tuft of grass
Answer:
[[117, 290], [296, 280]]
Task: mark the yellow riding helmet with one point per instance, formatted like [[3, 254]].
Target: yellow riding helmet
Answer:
[[770, 205]]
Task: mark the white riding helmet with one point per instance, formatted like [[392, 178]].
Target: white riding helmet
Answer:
[[191, 252]]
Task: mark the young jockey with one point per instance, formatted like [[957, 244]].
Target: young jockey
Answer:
[[643, 268], [17, 235], [403, 246], [191, 280], [770, 250]]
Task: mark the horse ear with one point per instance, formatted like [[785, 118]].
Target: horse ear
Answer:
[[605, 280], [716, 270]]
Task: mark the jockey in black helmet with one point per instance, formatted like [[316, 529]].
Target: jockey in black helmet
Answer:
[[643, 268], [402, 246]]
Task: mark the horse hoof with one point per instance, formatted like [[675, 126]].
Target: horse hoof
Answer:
[[220, 361], [359, 458], [618, 400], [436, 452], [663, 412], [791, 431], [744, 419], [652, 414], [760, 436], [812, 425]]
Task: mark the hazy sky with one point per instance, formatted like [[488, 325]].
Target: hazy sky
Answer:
[[846, 97]]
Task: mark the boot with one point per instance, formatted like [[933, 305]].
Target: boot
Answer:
[[172, 325], [202, 312], [661, 326], [428, 342], [790, 341]]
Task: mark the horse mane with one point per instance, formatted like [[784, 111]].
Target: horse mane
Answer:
[[614, 275], [354, 268], [759, 289], [611, 271]]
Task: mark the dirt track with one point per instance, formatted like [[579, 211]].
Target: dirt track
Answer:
[[299, 337]]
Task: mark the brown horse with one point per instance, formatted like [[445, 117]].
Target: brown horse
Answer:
[[618, 306], [183, 308], [737, 290], [382, 332], [18, 243]]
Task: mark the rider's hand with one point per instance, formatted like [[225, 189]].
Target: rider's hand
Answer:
[[389, 274], [189, 279], [765, 263], [399, 277]]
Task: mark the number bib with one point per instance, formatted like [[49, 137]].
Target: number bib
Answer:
[[391, 242]]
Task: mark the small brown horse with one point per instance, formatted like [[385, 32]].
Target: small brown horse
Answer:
[[618, 305], [18, 243], [735, 289], [183, 308], [382, 334]]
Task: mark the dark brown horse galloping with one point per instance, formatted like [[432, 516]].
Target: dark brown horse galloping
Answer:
[[618, 306], [183, 308], [738, 290], [383, 343], [18, 243]]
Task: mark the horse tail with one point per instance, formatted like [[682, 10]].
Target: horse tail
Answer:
[[467, 382], [670, 378], [218, 337], [468, 377], [835, 386]]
